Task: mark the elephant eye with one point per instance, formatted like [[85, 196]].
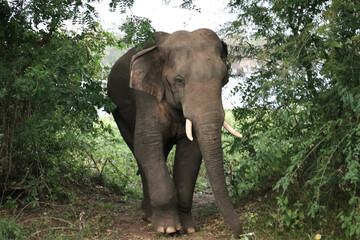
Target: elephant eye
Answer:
[[179, 79]]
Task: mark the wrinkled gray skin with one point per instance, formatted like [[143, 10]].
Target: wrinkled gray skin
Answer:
[[179, 76]]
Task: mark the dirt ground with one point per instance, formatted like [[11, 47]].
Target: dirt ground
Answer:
[[205, 212], [103, 215]]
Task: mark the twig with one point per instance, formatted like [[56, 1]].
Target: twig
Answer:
[[18, 185], [102, 169], [55, 218], [81, 220], [54, 228], [312, 150], [92, 158], [117, 169], [57, 205], [17, 216], [323, 172]]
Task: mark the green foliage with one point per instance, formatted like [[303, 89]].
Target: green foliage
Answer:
[[123, 5], [51, 89], [110, 158], [291, 218], [10, 230], [254, 163], [350, 222], [188, 4], [138, 30], [300, 118]]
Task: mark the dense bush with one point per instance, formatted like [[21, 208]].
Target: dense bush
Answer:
[[49, 92], [51, 89], [301, 107], [10, 230]]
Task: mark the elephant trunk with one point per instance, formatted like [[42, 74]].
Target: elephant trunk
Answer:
[[208, 133]]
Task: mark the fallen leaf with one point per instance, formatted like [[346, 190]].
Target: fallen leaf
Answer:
[[317, 236]]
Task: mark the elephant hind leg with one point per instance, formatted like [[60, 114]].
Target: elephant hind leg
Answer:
[[186, 169], [146, 204], [127, 131]]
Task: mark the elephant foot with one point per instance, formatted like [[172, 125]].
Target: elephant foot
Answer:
[[188, 223], [166, 221]]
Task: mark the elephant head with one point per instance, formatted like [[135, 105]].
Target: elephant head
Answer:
[[188, 70]]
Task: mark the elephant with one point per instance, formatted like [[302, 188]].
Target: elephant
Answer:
[[169, 93]]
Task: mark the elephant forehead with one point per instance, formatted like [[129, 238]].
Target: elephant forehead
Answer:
[[193, 52], [205, 70], [195, 62], [200, 33], [196, 40], [191, 59]]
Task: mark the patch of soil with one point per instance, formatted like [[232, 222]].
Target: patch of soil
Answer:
[[100, 214], [131, 225]]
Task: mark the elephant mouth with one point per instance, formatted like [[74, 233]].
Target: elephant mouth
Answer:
[[228, 127]]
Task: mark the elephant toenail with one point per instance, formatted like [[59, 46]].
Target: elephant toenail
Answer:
[[191, 230], [178, 227], [160, 229], [170, 230]]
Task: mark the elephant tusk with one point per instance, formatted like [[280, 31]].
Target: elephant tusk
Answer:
[[232, 130], [188, 129]]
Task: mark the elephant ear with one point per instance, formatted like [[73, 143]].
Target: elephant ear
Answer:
[[224, 55], [145, 72]]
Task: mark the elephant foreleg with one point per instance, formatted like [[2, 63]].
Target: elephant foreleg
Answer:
[[186, 169], [149, 152], [146, 205]]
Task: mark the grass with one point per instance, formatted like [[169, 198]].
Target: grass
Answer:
[[100, 213], [91, 216]]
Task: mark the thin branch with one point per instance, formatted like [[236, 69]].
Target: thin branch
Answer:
[[92, 158], [117, 169], [312, 150], [55, 218], [57, 205], [326, 165], [54, 228], [102, 169], [17, 216]]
